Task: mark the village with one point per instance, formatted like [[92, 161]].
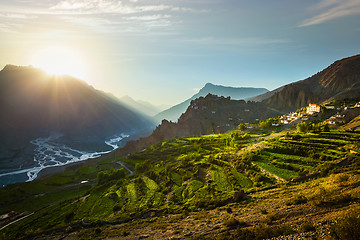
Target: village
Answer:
[[334, 114]]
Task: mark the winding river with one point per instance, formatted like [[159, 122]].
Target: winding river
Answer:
[[48, 153]]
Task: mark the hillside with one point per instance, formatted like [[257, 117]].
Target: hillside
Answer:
[[35, 105], [354, 124], [228, 186], [205, 115], [173, 113], [340, 80]]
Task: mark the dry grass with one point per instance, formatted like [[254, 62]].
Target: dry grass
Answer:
[[324, 215]]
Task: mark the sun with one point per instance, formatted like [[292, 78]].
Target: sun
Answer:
[[60, 60]]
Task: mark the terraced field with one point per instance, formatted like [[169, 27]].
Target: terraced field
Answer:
[[189, 174]]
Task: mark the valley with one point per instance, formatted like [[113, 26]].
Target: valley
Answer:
[[179, 120], [227, 169], [52, 121]]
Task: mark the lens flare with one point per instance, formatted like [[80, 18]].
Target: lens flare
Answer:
[[58, 60]]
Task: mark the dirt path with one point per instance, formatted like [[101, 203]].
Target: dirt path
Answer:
[[19, 219], [259, 144], [125, 167]]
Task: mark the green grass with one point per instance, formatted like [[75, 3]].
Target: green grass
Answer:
[[296, 165], [131, 195], [179, 174], [290, 157], [220, 179], [58, 180], [87, 170], [151, 190], [102, 208], [176, 178], [107, 161], [242, 180], [280, 172]]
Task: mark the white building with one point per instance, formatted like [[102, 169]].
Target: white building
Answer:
[[313, 108]]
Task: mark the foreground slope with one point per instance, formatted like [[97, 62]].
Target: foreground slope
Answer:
[[340, 80], [231, 186]]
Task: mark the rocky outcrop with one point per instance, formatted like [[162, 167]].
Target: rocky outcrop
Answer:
[[236, 93], [205, 115]]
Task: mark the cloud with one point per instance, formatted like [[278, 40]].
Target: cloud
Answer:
[[109, 6], [130, 24], [332, 9], [8, 28], [16, 16], [237, 41], [148, 17], [99, 15], [13, 22]]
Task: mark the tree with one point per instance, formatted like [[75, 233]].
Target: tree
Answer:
[[114, 174], [302, 127], [242, 127], [326, 128]]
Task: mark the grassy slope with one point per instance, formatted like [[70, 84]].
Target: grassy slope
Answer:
[[181, 176]]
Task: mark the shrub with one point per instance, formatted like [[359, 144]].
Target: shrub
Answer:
[[347, 227], [262, 232], [307, 227], [116, 208], [232, 222], [242, 127], [69, 217], [68, 229], [263, 211], [340, 178], [142, 167], [270, 218], [114, 174], [302, 127], [300, 199]]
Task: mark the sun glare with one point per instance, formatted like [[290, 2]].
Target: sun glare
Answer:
[[60, 61]]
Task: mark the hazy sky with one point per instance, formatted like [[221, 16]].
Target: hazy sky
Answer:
[[163, 51]]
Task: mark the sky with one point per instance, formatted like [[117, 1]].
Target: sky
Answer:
[[164, 51]]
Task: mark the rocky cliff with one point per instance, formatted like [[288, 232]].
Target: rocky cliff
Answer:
[[236, 93]]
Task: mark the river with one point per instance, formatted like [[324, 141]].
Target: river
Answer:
[[49, 153]]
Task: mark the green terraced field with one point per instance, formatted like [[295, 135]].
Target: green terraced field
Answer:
[[177, 175]]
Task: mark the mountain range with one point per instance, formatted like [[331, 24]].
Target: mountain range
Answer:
[[340, 80], [205, 115], [179, 183], [236, 93], [35, 105], [214, 114], [142, 107]]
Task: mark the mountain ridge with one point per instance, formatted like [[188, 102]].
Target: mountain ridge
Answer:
[[36, 105], [140, 106], [205, 115], [339, 80], [236, 93]]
